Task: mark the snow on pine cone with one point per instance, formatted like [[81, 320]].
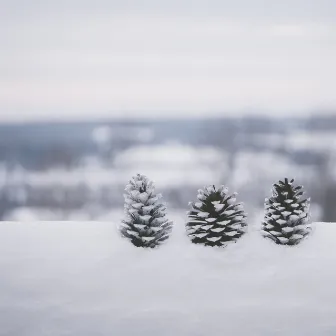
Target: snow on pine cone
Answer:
[[216, 219], [286, 214], [145, 224]]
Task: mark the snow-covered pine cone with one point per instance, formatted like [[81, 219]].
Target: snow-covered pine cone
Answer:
[[286, 214], [216, 219], [145, 222]]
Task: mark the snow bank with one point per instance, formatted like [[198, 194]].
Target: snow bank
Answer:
[[68, 278]]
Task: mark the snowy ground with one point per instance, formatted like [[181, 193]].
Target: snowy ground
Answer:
[[68, 278]]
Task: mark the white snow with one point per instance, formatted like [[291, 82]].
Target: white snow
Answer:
[[213, 239], [228, 212], [207, 227], [225, 222], [286, 213], [283, 240], [218, 229], [140, 226], [145, 218], [288, 229], [68, 278], [147, 239], [219, 207], [203, 214], [143, 197], [211, 220]]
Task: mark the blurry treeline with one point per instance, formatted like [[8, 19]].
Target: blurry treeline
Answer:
[[69, 171]]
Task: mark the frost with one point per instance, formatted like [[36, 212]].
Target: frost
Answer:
[[281, 221], [140, 226], [143, 197], [159, 220], [198, 204], [299, 227], [207, 227], [297, 236], [135, 193], [239, 207], [196, 227], [145, 218], [132, 233], [203, 214], [211, 220], [139, 183], [228, 212], [231, 200], [147, 239], [213, 239], [153, 200], [234, 226], [286, 213], [283, 240], [231, 233], [294, 217], [197, 221], [287, 229], [147, 209], [210, 189], [225, 222], [275, 233], [218, 229], [133, 211], [201, 235], [137, 205], [219, 207], [221, 188], [128, 200]]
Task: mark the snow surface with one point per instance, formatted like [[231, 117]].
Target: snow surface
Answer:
[[81, 278]]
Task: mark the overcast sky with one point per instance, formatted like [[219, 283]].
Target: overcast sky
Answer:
[[73, 59]]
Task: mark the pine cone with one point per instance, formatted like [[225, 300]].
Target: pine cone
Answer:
[[216, 219], [286, 214]]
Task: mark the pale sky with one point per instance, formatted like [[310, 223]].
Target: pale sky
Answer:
[[74, 59]]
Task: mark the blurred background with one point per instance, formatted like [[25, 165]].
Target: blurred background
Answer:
[[190, 93]]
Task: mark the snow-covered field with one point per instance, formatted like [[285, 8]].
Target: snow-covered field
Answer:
[[81, 278]]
